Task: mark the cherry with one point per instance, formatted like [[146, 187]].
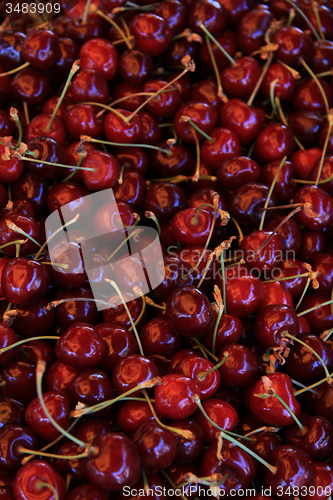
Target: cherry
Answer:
[[81, 120], [33, 189], [294, 45], [131, 414], [308, 96], [195, 367], [294, 469], [325, 175], [239, 80], [11, 169], [70, 194], [312, 244], [151, 32], [244, 120], [39, 127], [202, 114], [91, 387], [230, 329], [31, 86], [262, 250], [38, 479], [41, 49], [239, 466], [100, 55], [90, 85], [188, 450], [151, 133], [236, 10], [134, 158], [116, 130], [8, 338], [263, 444], [58, 405], [322, 57], [247, 200], [80, 346], [59, 377], [305, 125], [174, 397], [189, 311], [119, 343], [165, 200], [284, 189], [324, 479], [156, 446], [174, 13], [71, 312], [46, 150], [157, 337], [303, 161], [11, 412], [9, 233], [116, 463], [241, 367], [177, 50], [105, 171], [323, 265], [290, 232], [273, 323], [72, 158], [252, 27], [223, 145], [321, 207], [10, 49], [69, 52], [119, 314], [34, 319], [13, 439], [293, 268], [208, 13], [131, 371], [135, 67], [274, 142], [221, 413], [270, 411], [81, 32], [19, 376], [191, 227]]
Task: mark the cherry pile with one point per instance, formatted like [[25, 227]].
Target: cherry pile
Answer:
[[211, 121]]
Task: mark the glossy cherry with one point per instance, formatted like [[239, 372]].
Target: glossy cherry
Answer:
[[32, 479], [174, 397]]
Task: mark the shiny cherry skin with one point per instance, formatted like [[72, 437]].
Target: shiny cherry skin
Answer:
[[174, 397], [58, 405], [59, 377], [274, 142], [80, 346], [116, 130], [239, 465], [192, 228], [194, 367], [221, 413], [45, 149], [188, 450], [324, 479], [150, 133], [270, 411], [72, 158], [189, 311], [71, 312], [132, 190], [119, 315], [39, 127], [106, 171], [41, 49], [91, 387], [10, 49], [8, 338], [246, 121], [267, 259], [70, 194], [166, 104], [99, 54], [31, 86], [165, 200], [290, 232], [208, 13], [31, 479], [11, 412], [81, 120], [119, 342], [292, 267], [246, 200], [321, 204], [325, 175], [174, 13], [34, 319], [322, 58], [308, 96], [322, 264], [69, 52], [87, 492], [284, 188], [132, 371], [272, 322], [305, 125], [294, 468], [8, 235], [135, 67], [157, 337], [19, 375], [82, 32], [294, 45], [316, 439], [240, 79], [24, 280], [131, 414], [303, 362], [116, 464], [206, 91], [156, 445], [229, 330], [33, 189], [237, 171], [134, 158], [304, 160], [252, 28], [11, 169], [241, 367], [223, 146], [285, 85], [147, 27], [14, 437], [202, 114], [90, 85]]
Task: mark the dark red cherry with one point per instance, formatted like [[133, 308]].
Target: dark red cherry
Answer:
[[273, 322], [290, 232], [246, 201], [118, 314], [8, 338], [303, 161], [33, 189], [202, 114], [45, 149], [165, 200], [166, 104], [151, 32], [81, 120], [33, 478], [292, 268], [294, 469], [39, 127], [41, 49], [87, 492], [323, 265], [174, 397], [221, 413], [91, 387], [284, 82], [69, 52], [134, 158], [309, 97], [284, 188], [274, 142], [59, 377], [305, 125], [188, 450], [316, 437], [156, 445], [236, 10], [119, 343], [323, 56], [131, 414], [106, 171], [239, 80], [224, 144], [151, 133], [31, 86], [262, 260], [10, 49], [34, 319], [274, 294], [80, 32], [116, 130], [19, 376], [195, 367], [321, 204], [90, 86], [14, 437], [24, 280], [71, 312], [270, 411], [241, 367], [11, 412], [191, 227], [135, 67], [246, 121], [99, 54], [116, 464], [208, 13], [8, 232], [157, 337], [174, 13], [132, 371], [326, 173], [312, 244], [252, 27], [294, 45], [229, 330]]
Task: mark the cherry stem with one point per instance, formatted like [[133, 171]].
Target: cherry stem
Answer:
[[100, 406], [329, 130], [115, 286], [295, 382], [216, 70], [137, 94], [118, 144], [261, 225], [303, 293], [13, 227], [15, 117], [26, 112], [284, 120], [219, 316], [289, 411], [181, 432], [305, 19], [326, 334], [264, 428], [75, 170], [204, 349], [259, 82], [203, 375], [328, 302], [55, 233], [285, 278], [229, 437], [309, 70], [150, 215], [86, 11], [196, 127], [74, 69], [115, 25], [151, 303], [227, 55], [15, 70], [209, 261], [24, 341], [40, 369], [195, 218], [134, 233], [286, 334], [56, 303], [40, 485], [176, 488], [326, 379], [57, 164], [271, 96], [52, 455]]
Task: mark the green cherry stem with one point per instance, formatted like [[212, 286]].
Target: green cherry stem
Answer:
[[13, 227], [261, 225], [308, 22], [86, 138], [15, 117], [24, 341], [203, 375], [72, 221], [295, 339], [213, 39], [40, 485], [330, 125], [328, 302], [310, 387]]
